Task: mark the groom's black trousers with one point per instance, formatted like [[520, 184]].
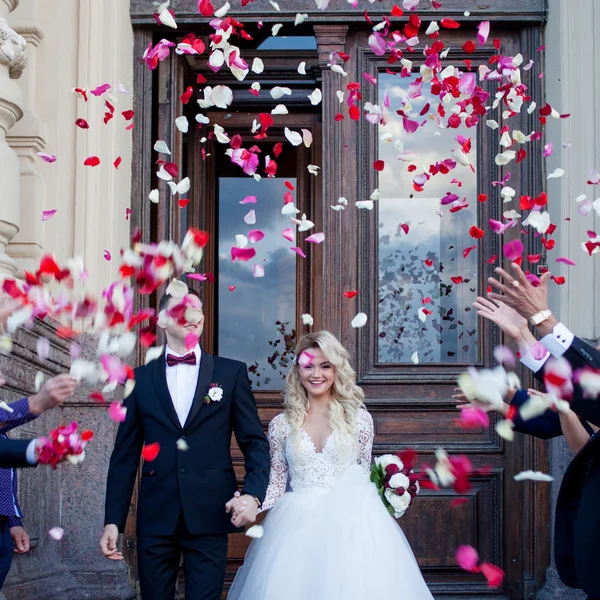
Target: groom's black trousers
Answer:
[[204, 560]]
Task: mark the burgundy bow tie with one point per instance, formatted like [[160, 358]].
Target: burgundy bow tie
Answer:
[[188, 359]]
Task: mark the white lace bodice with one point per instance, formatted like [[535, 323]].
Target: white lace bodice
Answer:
[[302, 467]]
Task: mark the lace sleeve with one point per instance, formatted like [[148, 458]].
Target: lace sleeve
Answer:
[[364, 422], [279, 467]]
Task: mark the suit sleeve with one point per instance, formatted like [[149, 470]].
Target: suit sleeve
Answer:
[[17, 415], [545, 426], [13, 454], [124, 463], [250, 437]]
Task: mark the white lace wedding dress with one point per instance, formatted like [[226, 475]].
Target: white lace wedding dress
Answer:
[[328, 535]]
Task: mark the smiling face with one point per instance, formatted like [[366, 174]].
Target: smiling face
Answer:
[[188, 318], [317, 375]]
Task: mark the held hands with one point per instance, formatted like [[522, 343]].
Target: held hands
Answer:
[[244, 509], [20, 539], [53, 393], [108, 543]]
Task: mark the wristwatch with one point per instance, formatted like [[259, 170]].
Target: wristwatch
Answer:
[[540, 317], [257, 501]]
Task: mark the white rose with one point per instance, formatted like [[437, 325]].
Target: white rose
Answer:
[[399, 480], [399, 503], [389, 459], [76, 459], [215, 394]]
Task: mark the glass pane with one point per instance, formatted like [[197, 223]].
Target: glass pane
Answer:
[[257, 320], [284, 42], [415, 268]]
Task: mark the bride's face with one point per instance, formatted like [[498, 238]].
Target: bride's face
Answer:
[[318, 375]]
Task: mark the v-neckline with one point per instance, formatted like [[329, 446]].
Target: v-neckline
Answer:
[[313, 443]]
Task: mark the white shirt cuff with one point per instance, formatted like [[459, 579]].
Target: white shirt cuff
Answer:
[[533, 363], [30, 453], [559, 341]]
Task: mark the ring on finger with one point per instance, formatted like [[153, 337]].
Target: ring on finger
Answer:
[[515, 283]]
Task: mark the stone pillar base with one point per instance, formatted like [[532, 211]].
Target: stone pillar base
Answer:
[[555, 589], [74, 585]]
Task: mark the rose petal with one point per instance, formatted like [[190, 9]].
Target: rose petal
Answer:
[[360, 320], [315, 238], [467, 558], [56, 533], [48, 214]]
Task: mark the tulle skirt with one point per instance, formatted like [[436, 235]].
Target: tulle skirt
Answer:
[[331, 544]]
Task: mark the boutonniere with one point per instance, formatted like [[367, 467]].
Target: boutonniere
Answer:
[[215, 393]]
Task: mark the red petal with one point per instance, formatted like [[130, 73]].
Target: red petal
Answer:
[[493, 574], [379, 165], [150, 451], [117, 162], [482, 197], [449, 23], [87, 435], [456, 280], [476, 232], [351, 294], [183, 202], [354, 112], [92, 161], [397, 11], [185, 97], [469, 48]]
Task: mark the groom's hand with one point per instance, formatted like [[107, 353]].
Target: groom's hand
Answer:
[[108, 543]]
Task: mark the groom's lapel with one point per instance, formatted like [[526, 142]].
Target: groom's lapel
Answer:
[[159, 375], [207, 365]]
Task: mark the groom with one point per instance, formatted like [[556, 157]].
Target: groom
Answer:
[[185, 489]]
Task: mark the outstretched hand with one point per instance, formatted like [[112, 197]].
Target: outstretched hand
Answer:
[[507, 319], [463, 403], [518, 293]]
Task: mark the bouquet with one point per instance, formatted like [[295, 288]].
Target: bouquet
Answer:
[[396, 482], [63, 443]]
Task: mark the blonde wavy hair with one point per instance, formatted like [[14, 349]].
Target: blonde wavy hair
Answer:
[[347, 397]]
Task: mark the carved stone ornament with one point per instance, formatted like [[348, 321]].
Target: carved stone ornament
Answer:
[[12, 50]]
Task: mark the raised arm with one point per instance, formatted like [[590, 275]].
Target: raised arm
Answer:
[[278, 476], [364, 422]]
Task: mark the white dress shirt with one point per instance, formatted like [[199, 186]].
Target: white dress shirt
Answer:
[[182, 380], [556, 343]]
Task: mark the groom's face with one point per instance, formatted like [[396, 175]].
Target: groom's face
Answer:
[[191, 322]]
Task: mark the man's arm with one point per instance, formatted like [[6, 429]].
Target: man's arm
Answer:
[[123, 466], [546, 426], [17, 453], [250, 437]]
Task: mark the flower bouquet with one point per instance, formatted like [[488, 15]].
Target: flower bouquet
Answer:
[[396, 482], [63, 443]]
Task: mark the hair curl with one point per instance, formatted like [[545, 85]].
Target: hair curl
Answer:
[[347, 397]]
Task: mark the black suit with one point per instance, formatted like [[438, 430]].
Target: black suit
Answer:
[[13, 453], [182, 497], [577, 527]]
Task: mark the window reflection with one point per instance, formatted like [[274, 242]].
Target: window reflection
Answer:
[[415, 268], [256, 320]]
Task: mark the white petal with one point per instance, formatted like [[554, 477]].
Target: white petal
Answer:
[[164, 174], [258, 271], [505, 157], [280, 109], [166, 18], [276, 28], [250, 218], [360, 320], [183, 187], [338, 69], [340, 96], [153, 353], [415, 358], [216, 59], [302, 68], [182, 124], [533, 476], [300, 18], [315, 97], [313, 169], [177, 289], [257, 66], [307, 137], [39, 381], [256, 531], [154, 196], [293, 137], [161, 147], [540, 221], [278, 92], [56, 533], [221, 96], [368, 204], [222, 11], [275, 5], [422, 315], [307, 320], [556, 174], [241, 241], [505, 428], [433, 28], [182, 445], [203, 119], [492, 124], [375, 194], [531, 108], [289, 209], [505, 140]]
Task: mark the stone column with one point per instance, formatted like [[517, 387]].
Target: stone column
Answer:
[[12, 64], [27, 138]]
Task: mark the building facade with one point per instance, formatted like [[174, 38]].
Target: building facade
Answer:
[[408, 372]]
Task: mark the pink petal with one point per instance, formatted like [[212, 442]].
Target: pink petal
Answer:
[[315, 238], [467, 558], [248, 200], [258, 271], [197, 276], [377, 43], [370, 78], [513, 250], [305, 358], [483, 32], [255, 235], [466, 84], [473, 417], [56, 533], [538, 351], [101, 89], [242, 254], [565, 260], [107, 255], [409, 125], [49, 158], [298, 251], [117, 412], [504, 356], [288, 234], [547, 149], [48, 214], [493, 574], [449, 198], [191, 339]]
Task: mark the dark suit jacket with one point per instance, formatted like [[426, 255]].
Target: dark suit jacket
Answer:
[[200, 480], [577, 524], [13, 453]]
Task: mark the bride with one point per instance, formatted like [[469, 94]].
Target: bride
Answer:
[[328, 535]]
